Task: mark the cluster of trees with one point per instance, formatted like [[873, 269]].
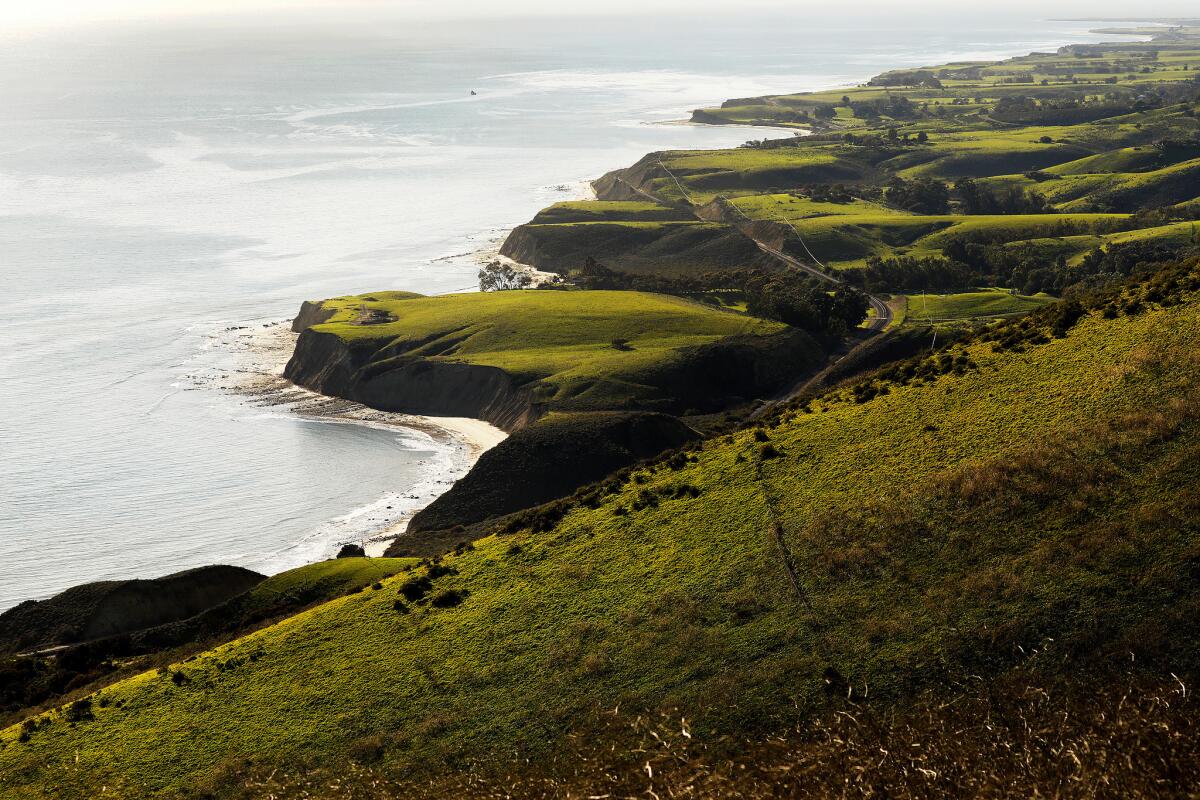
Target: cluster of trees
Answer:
[[786, 297], [804, 304], [1101, 267], [896, 106], [833, 192], [931, 196], [976, 199], [1024, 267], [920, 196], [1178, 149], [915, 77], [1025, 110], [906, 274], [500, 277]]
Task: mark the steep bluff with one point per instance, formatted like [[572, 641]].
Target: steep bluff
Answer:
[[630, 183], [552, 459], [311, 314], [325, 363]]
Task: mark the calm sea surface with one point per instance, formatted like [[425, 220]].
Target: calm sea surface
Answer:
[[160, 184]]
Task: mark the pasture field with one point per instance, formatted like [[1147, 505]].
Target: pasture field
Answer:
[[563, 341], [970, 305]]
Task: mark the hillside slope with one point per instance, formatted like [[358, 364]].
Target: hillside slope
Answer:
[[1029, 491], [509, 357], [111, 608]]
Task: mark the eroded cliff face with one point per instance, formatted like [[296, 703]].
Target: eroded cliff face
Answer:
[[545, 462], [311, 314], [325, 363], [629, 183], [521, 245]]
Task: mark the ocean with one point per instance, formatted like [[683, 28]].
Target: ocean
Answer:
[[167, 189]]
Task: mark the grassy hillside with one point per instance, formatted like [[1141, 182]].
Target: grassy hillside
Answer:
[[34, 681], [676, 248], [1062, 137], [1030, 491], [600, 211], [970, 305], [112, 608], [923, 555], [572, 350]]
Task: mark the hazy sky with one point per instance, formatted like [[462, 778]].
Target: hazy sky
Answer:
[[42, 12]]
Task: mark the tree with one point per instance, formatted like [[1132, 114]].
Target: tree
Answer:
[[922, 137], [825, 112], [803, 305], [351, 551], [978, 199], [922, 196], [500, 277]]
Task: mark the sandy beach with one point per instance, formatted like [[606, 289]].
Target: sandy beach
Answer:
[[253, 371]]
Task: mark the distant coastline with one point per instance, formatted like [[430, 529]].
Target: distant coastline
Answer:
[[476, 435]]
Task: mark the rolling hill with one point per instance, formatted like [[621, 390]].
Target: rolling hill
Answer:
[[1024, 499]]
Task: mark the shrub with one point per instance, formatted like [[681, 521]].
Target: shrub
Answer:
[[448, 598], [352, 551], [368, 749], [80, 710], [438, 569], [416, 588]]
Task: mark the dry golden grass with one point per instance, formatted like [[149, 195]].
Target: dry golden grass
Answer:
[[1129, 739]]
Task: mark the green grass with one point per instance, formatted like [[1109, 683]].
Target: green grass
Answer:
[[970, 305], [686, 604], [706, 173], [644, 247], [324, 580], [605, 211], [986, 508], [843, 241], [562, 341], [793, 208], [1102, 160]]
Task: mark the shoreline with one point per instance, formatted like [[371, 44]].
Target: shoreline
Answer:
[[260, 353], [467, 438]]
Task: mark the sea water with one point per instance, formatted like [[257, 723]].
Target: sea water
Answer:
[[167, 188]]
